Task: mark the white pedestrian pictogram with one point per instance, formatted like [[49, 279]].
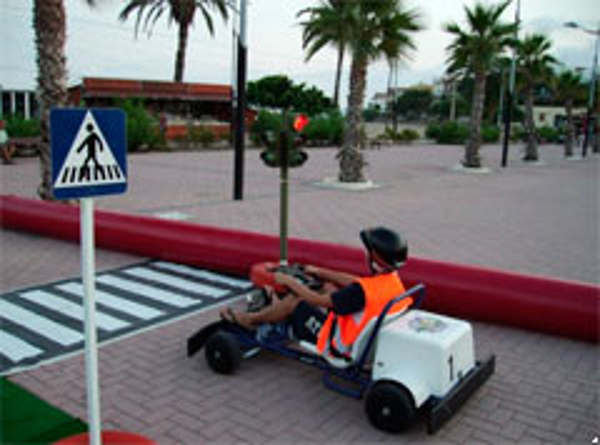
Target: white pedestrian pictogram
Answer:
[[90, 160]]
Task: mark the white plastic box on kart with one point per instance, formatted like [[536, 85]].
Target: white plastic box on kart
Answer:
[[428, 353]]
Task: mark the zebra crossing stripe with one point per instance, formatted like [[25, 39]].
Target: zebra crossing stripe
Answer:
[[40, 325], [46, 322], [121, 304], [180, 283], [70, 309], [72, 175], [147, 291], [16, 349], [202, 274]]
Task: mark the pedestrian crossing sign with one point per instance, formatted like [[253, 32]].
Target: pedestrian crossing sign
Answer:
[[88, 149]]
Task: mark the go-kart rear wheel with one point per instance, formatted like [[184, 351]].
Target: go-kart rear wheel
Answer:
[[390, 407], [223, 353]]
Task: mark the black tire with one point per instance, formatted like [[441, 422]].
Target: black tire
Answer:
[[390, 407], [223, 353]]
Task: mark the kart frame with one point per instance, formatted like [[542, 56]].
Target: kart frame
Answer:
[[355, 376]]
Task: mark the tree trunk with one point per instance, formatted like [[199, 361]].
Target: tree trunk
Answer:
[[531, 147], [181, 49], [50, 33], [351, 158], [389, 112], [338, 75], [570, 136], [472, 158]]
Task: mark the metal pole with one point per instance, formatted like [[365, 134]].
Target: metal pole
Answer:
[[501, 99], [592, 96], [234, 44], [238, 188], [511, 90], [284, 141], [283, 223], [453, 100], [91, 346]]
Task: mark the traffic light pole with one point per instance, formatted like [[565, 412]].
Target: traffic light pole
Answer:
[[283, 221], [284, 141]]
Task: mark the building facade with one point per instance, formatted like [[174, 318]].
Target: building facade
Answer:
[[21, 103], [177, 106]]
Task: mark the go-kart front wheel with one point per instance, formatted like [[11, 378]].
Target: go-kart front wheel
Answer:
[[223, 353], [390, 407]]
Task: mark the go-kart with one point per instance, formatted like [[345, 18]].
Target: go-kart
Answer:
[[404, 363]]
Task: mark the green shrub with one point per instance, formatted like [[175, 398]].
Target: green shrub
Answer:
[[266, 122], [548, 134], [337, 125], [202, 135], [317, 131], [389, 135], [490, 133], [325, 128], [433, 131], [409, 135], [18, 127], [452, 132], [142, 129]]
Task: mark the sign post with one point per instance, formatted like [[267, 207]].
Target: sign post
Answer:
[[88, 275], [88, 149]]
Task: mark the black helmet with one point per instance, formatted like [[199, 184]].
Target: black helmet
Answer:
[[387, 244]]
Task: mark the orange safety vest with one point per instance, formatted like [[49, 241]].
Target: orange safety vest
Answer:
[[378, 290]]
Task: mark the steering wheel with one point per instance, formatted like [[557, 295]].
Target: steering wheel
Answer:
[[263, 274]]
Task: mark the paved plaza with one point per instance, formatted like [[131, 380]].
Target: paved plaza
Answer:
[[538, 219]]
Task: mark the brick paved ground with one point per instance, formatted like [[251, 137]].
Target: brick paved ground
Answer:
[[534, 219]]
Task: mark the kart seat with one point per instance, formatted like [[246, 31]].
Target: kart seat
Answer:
[[359, 345]]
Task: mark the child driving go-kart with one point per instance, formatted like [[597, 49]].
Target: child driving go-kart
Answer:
[[351, 301], [366, 334]]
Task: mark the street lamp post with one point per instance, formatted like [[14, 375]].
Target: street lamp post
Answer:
[[511, 89], [592, 92], [240, 109]]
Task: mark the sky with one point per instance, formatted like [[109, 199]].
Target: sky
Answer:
[[100, 45]]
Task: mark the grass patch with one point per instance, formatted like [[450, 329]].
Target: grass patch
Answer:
[[27, 419]]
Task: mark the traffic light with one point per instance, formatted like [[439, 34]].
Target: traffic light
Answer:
[[284, 148]]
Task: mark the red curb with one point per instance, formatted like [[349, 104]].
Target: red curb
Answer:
[[565, 308], [108, 438]]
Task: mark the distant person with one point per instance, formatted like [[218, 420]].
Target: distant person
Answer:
[[7, 147]]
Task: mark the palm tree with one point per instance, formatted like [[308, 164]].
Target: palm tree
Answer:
[[534, 63], [569, 89], [49, 22], [376, 29], [181, 12], [327, 25], [473, 51]]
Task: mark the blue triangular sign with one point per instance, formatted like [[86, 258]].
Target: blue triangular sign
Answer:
[[88, 152]]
